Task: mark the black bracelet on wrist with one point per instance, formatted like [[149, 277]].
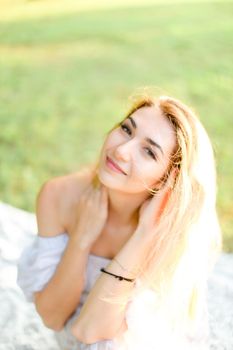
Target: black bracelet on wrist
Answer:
[[117, 276]]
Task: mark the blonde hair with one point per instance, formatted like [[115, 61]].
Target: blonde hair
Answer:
[[187, 240]]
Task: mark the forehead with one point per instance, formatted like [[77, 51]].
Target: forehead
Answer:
[[153, 124]]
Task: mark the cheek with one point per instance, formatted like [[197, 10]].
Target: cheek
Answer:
[[112, 140], [107, 144], [148, 172]]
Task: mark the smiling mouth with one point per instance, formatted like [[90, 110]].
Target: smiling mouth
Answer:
[[110, 163]]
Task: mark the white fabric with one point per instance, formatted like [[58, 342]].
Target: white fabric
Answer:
[[38, 262], [149, 329], [146, 329]]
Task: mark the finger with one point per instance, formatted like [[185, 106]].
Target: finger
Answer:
[[144, 205], [104, 195], [99, 191], [87, 193], [166, 191], [101, 196], [158, 202], [89, 188], [103, 189], [163, 203]]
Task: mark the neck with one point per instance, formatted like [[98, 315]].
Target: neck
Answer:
[[124, 207]]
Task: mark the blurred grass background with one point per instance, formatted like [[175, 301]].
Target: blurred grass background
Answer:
[[68, 67]]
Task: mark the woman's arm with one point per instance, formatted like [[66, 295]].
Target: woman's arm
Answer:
[[98, 319], [60, 297], [58, 300]]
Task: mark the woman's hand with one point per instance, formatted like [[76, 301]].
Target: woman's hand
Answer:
[[152, 208], [92, 213]]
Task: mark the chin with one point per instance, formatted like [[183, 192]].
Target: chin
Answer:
[[112, 182], [107, 179]]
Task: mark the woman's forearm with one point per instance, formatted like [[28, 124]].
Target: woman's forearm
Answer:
[[59, 298], [103, 320]]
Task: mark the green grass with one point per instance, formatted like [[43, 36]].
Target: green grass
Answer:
[[67, 69]]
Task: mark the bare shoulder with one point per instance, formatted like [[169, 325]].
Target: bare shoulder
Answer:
[[57, 199]]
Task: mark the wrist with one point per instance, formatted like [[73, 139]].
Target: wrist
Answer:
[[130, 259], [81, 244], [144, 235], [132, 272]]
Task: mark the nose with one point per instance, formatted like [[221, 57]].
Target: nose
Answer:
[[123, 151]]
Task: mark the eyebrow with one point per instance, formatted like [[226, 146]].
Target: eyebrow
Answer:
[[153, 143]]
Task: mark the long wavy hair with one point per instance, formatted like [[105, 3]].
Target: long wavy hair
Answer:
[[187, 239]]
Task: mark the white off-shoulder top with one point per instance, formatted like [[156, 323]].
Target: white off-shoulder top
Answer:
[[37, 265]]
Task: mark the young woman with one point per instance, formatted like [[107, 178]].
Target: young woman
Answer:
[[124, 248]]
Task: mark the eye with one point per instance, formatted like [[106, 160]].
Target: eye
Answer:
[[126, 129], [150, 153]]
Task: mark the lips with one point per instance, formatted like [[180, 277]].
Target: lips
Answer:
[[111, 164]]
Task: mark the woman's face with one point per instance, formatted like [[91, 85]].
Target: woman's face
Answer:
[[140, 148]]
